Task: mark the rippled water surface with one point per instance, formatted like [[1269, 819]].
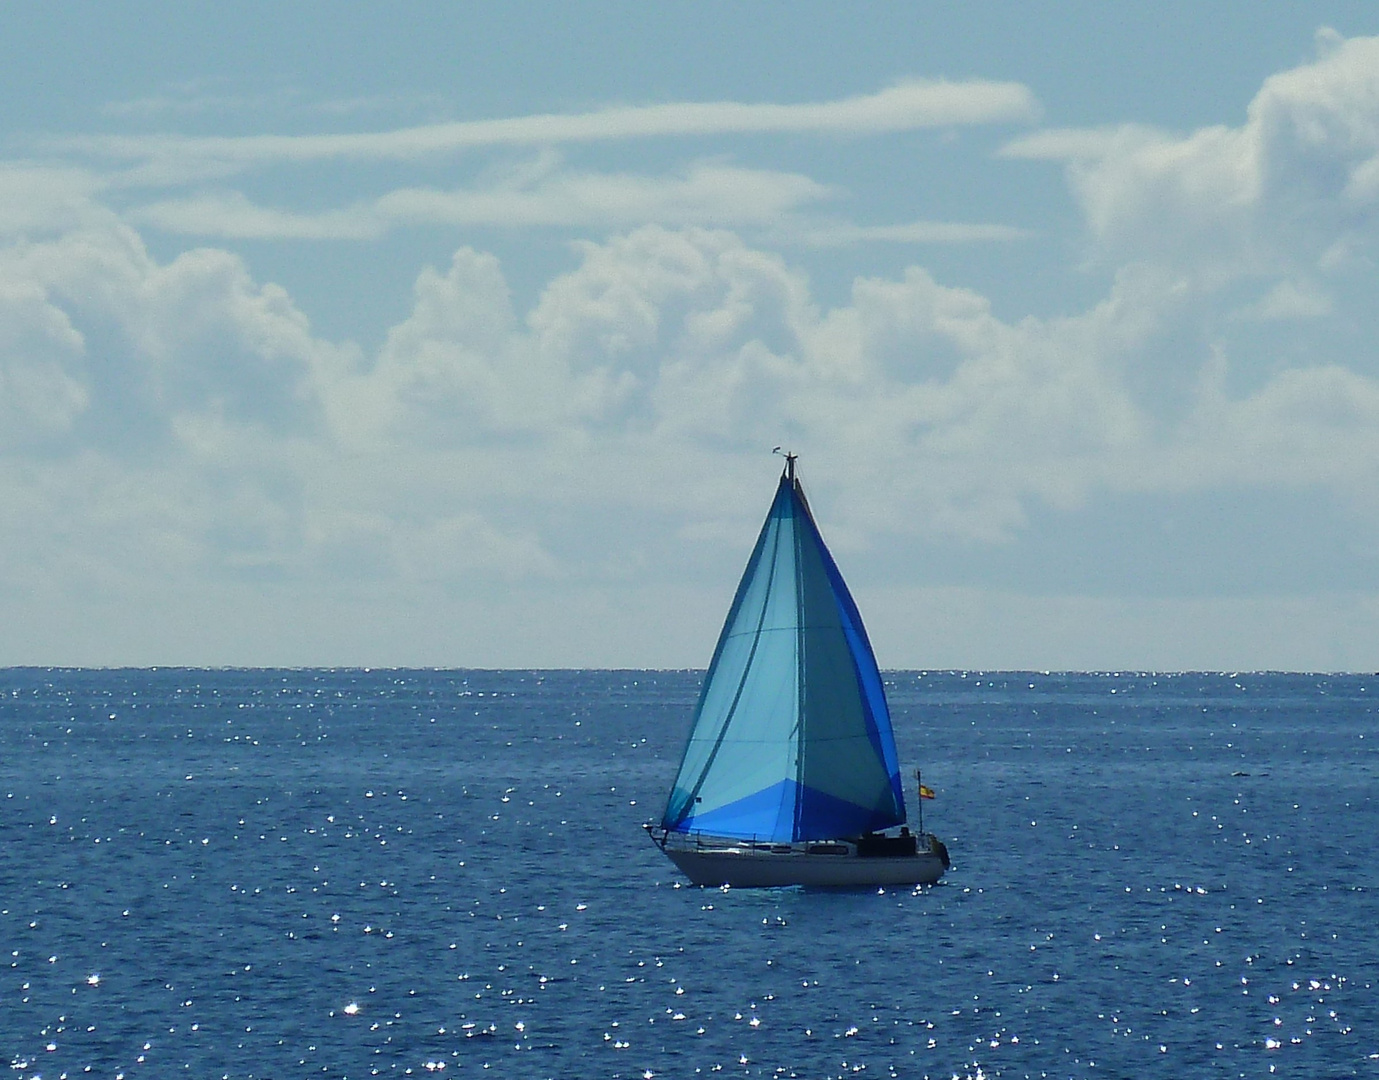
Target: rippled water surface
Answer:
[[353, 873]]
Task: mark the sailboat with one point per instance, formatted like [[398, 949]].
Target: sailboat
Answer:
[[790, 775]]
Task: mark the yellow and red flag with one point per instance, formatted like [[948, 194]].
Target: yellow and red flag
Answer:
[[926, 792]]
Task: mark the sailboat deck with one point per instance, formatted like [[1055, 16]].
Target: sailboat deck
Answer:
[[724, 844], [717, 860]]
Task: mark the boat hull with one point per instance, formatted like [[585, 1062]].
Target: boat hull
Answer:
[[759, 866]]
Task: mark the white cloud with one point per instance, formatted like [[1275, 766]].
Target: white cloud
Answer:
[[705, 193], [982, 628], [39, 397], [1290, 300], [1268, 197], [661, 344], [693, 338], [469, 544], [907, 106], [40, 200], [206, 432], [690, 343], [231, 215], [913, 232], [1305, 427], [544, 193], [1074, 144], [176, 424]]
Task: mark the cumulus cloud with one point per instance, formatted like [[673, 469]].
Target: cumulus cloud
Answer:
[[206, 430], [157, 340], [1264, 227], [258, 447], [39, 397], [691, 343], [180, 419], [1268, 196]]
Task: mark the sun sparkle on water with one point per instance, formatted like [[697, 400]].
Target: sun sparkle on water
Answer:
[[1164, 896]]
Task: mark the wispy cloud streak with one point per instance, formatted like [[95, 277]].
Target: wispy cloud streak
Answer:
[[705, 194], [904, 107], [913, 232]]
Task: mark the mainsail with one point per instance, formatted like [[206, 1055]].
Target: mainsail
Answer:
[[792, 737]]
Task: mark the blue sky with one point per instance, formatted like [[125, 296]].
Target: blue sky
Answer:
[[460, 336]]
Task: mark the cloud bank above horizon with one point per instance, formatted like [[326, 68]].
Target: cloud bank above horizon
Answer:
[[189, 464]]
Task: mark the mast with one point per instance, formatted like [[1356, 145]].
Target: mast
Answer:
[[790, 459], [919, 795], [800, 642]]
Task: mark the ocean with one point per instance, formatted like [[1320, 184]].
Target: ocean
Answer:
[[353, 873]]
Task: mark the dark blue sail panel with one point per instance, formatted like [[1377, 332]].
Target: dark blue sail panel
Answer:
[[791, 738], [876, 713], [770, 816]]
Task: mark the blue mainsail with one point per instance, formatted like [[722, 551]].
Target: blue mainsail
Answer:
[[792, 737]]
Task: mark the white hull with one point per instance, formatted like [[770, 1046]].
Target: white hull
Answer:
[[746, 865]]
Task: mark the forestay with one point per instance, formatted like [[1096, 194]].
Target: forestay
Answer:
[[792, 737]]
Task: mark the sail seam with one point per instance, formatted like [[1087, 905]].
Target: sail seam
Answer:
[[801, 706]]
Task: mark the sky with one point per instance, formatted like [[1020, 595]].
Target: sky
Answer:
[[461, 335]]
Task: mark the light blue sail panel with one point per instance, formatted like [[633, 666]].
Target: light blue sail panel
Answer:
[[743, 739], [792, 738]]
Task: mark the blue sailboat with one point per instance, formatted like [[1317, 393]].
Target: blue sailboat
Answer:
[[790, 775]]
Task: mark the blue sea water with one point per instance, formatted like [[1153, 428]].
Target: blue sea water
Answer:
[[403, 873]]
